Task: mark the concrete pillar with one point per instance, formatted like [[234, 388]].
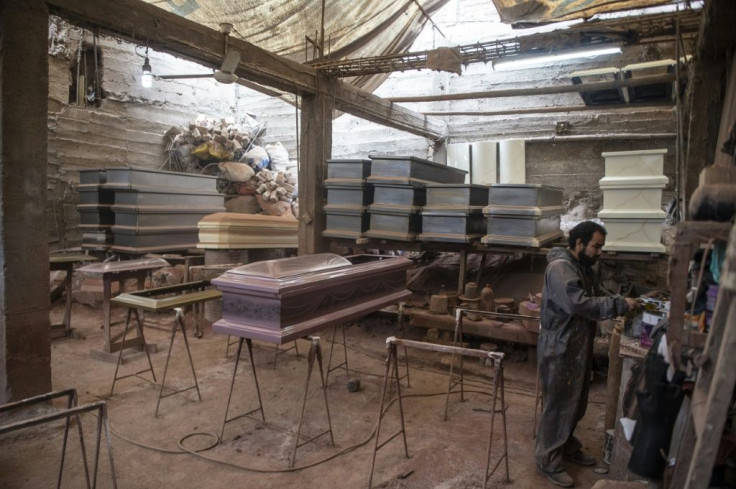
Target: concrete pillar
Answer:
[[25, 348]]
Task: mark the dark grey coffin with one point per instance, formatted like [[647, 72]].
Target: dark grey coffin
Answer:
[[350, 223], [349, 195], [95, 194], [453, 227], [398, 226], [456, 197], [398, 198], [125, 177], [409, 169], [96, 176], [346, 171], [96, 214], [510, 195], [163, 196]]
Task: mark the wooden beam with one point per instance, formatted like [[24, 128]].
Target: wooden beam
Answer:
[[526, 92], [373, 108], [148, 25], [316, 148]]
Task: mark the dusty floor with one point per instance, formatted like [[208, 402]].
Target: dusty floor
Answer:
[[443, 455]]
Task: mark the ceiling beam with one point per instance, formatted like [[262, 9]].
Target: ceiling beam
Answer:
[[554, 89], [148, 25]]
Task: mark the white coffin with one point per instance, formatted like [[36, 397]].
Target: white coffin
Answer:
[[643, 163], [230, 230], [632, 193], [638, 231]]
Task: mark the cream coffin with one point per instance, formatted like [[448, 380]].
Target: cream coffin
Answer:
[[229, 230], [281, 300], [632, 193], [644, 163], [633, 231]]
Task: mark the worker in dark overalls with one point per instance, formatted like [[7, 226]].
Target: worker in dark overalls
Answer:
[[571, 305]]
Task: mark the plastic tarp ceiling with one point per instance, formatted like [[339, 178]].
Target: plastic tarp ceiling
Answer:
[[520, 12], [353, 29]]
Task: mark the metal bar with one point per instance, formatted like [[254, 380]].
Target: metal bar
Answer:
[[550, 90], [419, 345]]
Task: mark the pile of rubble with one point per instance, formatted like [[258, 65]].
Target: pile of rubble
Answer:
[[256, 178]]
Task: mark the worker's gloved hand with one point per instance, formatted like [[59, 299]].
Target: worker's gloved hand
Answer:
[[632, 304]]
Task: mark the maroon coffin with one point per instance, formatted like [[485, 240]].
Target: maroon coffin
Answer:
[[281, 300]]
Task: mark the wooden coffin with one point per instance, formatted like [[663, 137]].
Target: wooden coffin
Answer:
[[408, 170], [230, 230], [281, 300]]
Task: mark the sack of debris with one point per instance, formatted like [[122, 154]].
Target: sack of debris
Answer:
[[279, 156], [257, 158], [235, 172]]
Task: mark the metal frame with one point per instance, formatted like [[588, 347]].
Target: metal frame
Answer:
[[178, 324], [392, 344], [140, 339], [71, 410], [315, 352]]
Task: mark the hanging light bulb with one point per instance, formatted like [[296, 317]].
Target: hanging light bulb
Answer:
[[146, 75]]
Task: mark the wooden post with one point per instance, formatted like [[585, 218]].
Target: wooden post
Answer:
[[25, 345], [316, 148], [614, 375]]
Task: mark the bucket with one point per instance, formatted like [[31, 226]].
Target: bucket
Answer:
[[608, 447]]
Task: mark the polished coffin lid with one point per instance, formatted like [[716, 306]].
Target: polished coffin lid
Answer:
[[281, 300]]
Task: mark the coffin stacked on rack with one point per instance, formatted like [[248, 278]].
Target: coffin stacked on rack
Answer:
[[400, 193], [96, 216], [454, 213], [348, 197], [234, 231], [138, 211], [523, 214], [632, 200]]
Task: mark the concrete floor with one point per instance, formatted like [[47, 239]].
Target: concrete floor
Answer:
[[443, 455]]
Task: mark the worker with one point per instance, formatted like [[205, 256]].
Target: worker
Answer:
[[571, 305]]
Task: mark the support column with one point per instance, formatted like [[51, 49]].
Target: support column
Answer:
[[316, 148], [25, 348]]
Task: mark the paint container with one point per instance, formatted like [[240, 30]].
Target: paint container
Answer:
[[608, 447]]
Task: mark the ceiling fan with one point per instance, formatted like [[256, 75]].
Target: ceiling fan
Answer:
[[226, 73]]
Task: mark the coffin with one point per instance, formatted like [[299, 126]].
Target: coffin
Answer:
[[408, 170], [452, 227], [353, 194], [399, 225], [346, 222], [643, 163], [168, 196], [95, 194], [343, 171], [281, 300], [96, 214], [600, 97], [152, 239], [126, 177], [653, 91], [138, 215], [523, 198], [398, 198], [96, 176], [633, 193], [96, 238], [454, 197], [514, 230], [229, 230], [638, 231]]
